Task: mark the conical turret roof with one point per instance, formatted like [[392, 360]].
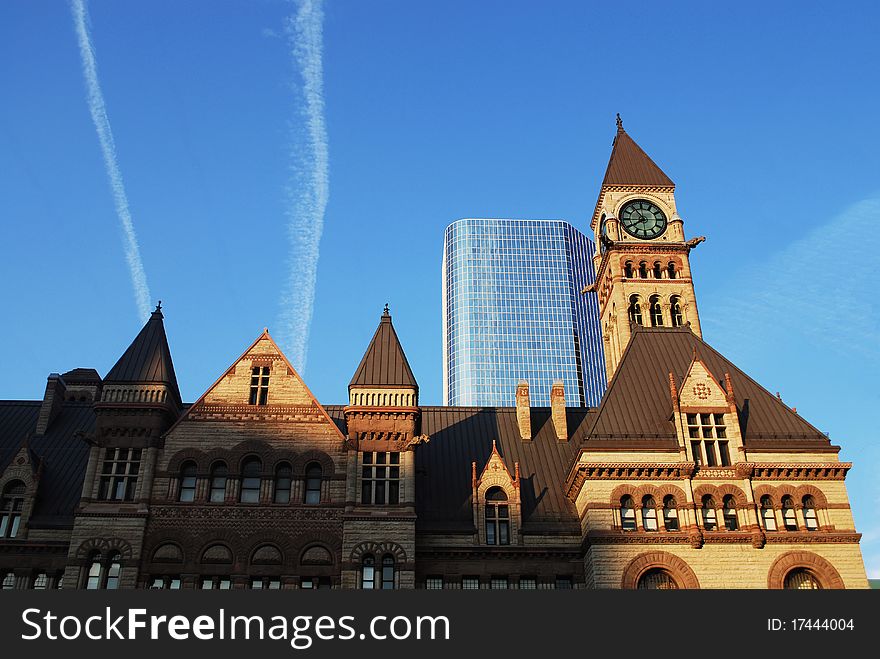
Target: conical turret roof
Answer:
[[384, 362]]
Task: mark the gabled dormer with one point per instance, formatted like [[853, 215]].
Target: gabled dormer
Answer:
[[706, 420], [18, 490], [496, 501]]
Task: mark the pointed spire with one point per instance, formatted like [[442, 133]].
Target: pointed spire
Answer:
[[148, 358], [629, 165], [384, 363]]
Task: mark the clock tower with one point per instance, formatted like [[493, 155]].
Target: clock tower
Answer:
[[643, 274]]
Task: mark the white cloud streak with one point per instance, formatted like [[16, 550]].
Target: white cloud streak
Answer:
[[806, 289], [308, 188], [108, 149]]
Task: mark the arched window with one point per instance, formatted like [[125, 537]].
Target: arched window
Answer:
[[628, 269], [810, 519], [731, 523], [656, 579], [218, 483], [649, 513], [388, 572], [635, 310], [11, 505], [187, 482], [627, 513], [670, 513], [671, 270], [497, 517], [643, 270], [250, 480], [768, 515], [104, 575], [801, 579], [368, 572], [314, 475], [41, 581], [656, 312], [114, 569], [789, 515], [93, 579], [283, 481], [710, 521], [658, 270], [675, 309]]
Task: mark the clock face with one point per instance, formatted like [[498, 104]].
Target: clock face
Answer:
[[642, 219], [603, 235]]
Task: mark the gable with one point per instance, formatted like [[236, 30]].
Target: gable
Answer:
[[700, 390], [288, 397]]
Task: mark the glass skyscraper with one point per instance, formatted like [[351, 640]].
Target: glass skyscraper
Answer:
[[513, 310]]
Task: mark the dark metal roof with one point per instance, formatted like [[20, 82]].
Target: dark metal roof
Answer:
[[638, 405], [384, 362], [62, 453], [148, 358], [462, 435], [81, 375], [629, 165]]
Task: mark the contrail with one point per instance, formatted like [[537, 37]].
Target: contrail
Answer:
[[308, 187], [108, 148]]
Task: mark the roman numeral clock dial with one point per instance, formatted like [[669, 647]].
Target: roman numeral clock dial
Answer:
[[642, 219]]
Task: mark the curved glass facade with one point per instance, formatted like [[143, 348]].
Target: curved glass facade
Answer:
[[513, 310]]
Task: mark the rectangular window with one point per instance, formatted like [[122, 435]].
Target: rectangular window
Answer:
[[262, 583], [563, 583], [434, 583], [259, 385], [470, 583], [725, 454], [708, 427], [498, 583], [315, 583], [165, 583], [710, 454], [380, 478], [216, 583], [697, 452], [119, 474], [528, 583]]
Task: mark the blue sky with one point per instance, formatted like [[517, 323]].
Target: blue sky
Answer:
[[763, 114]]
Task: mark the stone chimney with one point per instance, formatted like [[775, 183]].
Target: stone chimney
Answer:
[[557, 410], [52, 400], [523, 410]]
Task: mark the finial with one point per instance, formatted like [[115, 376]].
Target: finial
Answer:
[[159, 306], [385, 311], [619, 122]]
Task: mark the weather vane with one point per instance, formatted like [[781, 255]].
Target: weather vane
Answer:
[[619, 122]]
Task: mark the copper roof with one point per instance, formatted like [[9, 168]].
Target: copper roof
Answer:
[[148, 358], [629, 165], [638, 406], [384, 362]]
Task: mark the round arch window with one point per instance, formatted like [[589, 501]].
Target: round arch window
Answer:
[[801, 579], [656, 579]]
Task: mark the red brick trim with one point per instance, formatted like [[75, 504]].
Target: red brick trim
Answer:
[[819, 567], [680, 571]]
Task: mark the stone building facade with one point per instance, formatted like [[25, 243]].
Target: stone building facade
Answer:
[[689, 474]]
